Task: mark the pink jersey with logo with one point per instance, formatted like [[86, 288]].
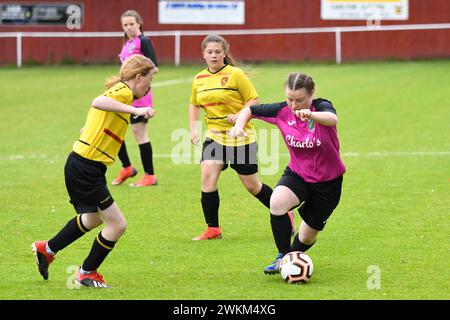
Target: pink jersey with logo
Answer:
[[313, 148], [131, 47]]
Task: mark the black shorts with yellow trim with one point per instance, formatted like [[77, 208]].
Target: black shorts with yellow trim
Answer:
[[242, 159], [86, 184], [317, 200]]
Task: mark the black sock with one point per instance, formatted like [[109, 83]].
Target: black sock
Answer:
[[210, 205], [281, 229], [73, 230], [300, 246], [264, 195], [100, 249], [123, 155], [147, 157]]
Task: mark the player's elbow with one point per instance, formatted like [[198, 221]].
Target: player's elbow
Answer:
[[98, 102], [334, 120], [331, 120]]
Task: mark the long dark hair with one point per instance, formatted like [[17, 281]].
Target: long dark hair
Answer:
[[225, 46], [137, 17]]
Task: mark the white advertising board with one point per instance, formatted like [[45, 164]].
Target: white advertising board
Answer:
[[201, 12], [364, 9]]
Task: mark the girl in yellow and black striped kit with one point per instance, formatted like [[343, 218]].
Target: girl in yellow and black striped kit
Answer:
[[222, 90], [97, 147]]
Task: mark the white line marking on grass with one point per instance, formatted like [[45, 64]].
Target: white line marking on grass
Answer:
[[397, 154], [351, 154], [166, 83], [18, 157], [14, 157]]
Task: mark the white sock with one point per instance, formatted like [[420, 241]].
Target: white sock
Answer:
[[49, 251], [85, 272]]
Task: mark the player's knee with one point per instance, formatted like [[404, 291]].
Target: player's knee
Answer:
[[120, 227], [277, 207], [253, 188], [140, 133], [307, 235], [307, 239], [136, 130], [209, 183], [90, 221]]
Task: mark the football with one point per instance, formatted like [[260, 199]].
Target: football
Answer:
[[296, 267]]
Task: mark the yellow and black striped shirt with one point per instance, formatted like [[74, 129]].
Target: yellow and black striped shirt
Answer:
[[104, 131], [220, 94]]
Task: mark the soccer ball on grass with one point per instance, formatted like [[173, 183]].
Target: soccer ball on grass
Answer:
[[296, 267]]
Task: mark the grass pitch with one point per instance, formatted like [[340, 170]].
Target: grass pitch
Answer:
[[388, 239]]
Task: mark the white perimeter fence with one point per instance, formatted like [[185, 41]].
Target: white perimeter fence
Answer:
[[185, 33]]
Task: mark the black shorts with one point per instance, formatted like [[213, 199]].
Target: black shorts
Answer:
[[320, 199], [243, 159], [86, 184], [138, 119]]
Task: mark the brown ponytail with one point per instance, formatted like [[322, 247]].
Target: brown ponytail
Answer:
[[298, 80], [137, 17], [225, 46]]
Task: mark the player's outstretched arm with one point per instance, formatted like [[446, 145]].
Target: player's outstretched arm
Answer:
[[146, 112], [231, 118], [108, 104], [244, 117], [325, 118]]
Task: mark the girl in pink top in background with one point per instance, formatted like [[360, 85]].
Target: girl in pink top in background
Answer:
[[136, 43], [312, 180]]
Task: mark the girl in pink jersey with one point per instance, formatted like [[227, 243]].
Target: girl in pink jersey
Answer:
[[312, 180], [136, 43]]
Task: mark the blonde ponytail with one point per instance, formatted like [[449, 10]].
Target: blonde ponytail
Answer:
[[131, 67]]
